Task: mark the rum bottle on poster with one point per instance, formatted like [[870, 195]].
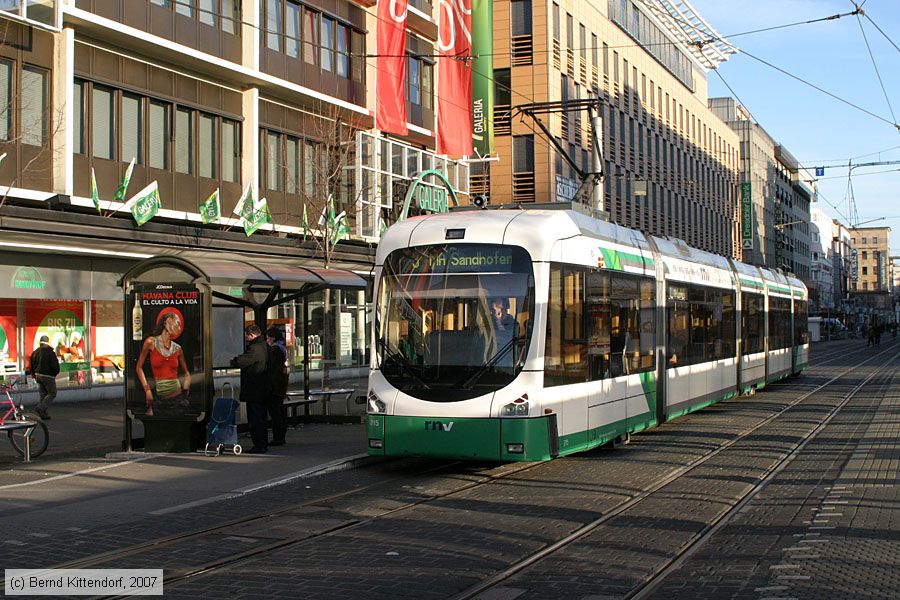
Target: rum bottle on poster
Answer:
[[137, 319]]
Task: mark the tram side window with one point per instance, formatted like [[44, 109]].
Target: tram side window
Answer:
[[752, 323], [779, 323], [701, 326], [801, 325], [620, 324], [565, 355]]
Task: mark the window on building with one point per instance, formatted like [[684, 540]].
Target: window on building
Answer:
[[327, 45], [292, 42], [132, 129], [310, 36], [6, 97], [207, 146], [865, 255], [419, 80], [875, 239], [865, 241], [865, 270], [103, 133], [159, 135], [77, 114], [520, 18], [184, 141], [184, 7], [273, 161], [231, 156], [274, 25], [523, 154], [33, 107]]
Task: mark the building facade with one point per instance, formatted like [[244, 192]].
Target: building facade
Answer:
[[822, 297], [670, 164], [872, 246]]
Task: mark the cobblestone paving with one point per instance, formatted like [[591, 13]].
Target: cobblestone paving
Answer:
[[454, 540]]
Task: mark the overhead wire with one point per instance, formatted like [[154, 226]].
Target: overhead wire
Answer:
[[877, 72]]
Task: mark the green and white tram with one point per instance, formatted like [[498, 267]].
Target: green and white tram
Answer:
[[525, 334]]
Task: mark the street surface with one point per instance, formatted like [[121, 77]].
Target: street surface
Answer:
[[789, 493]]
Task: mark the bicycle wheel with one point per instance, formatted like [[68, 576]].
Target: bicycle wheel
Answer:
[[40, 438]]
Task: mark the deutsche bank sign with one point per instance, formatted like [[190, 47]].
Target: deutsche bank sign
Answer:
[[746, 216]]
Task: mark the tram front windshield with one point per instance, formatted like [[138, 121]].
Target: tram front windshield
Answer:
[[454, 320]]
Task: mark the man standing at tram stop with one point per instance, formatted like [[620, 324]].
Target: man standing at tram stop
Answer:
[[44, 369], [255, 386], [278, 380]]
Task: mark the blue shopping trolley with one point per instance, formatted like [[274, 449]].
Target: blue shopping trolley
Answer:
[[221, 432]]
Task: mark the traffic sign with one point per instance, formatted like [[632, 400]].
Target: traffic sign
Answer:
[[820, 171], [747, 244]]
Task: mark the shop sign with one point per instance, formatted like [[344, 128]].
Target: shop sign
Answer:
[[746, 217], [565, 189], [165, 344], [27, 278], [430, 198]]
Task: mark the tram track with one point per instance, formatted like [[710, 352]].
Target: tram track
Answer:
[[658, 576], [176, 576]]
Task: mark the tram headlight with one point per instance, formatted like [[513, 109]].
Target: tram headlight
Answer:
[[376, 405], [515, 409]]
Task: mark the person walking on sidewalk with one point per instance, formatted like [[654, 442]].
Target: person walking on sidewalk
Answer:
[[44, 369], [278, 380], [255, 386]]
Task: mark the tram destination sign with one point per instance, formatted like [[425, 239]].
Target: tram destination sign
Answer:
[[472, 259]]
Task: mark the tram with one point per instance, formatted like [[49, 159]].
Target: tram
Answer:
[[526, 334]]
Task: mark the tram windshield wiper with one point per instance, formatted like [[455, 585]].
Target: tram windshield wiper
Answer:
[[469, 382], [399, 359]]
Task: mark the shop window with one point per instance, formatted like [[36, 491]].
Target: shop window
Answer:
[[62, 321], [107, 341], [8, 336]]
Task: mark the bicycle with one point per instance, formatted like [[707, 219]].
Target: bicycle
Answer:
[[20, 425]]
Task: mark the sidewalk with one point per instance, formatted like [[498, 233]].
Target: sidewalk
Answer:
[[94, 429]]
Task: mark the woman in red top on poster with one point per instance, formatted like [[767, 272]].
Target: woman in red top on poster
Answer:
[[166, 360]]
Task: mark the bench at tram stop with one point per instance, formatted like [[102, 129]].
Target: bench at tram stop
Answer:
[[298, 398]]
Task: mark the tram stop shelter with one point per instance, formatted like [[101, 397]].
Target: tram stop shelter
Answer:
[[184, 318]]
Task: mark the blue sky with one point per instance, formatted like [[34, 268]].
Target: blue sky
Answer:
[[817, 129]]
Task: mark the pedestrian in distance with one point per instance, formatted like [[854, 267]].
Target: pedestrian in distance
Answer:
[[255, 386], [278, 382], [44, 369]]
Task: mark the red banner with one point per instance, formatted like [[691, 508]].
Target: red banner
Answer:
[[454, 126], [390, 80]]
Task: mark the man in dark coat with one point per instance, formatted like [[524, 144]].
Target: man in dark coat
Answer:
[[44, 369], [278, 380], [255, 386]]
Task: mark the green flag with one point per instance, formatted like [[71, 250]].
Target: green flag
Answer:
[[304, 224], [259, 215], [95, 195], [145, 204], [244, 206], [210, 210], [338, 226], [123, 187]]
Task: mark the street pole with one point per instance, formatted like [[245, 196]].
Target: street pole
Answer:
[[597, 162]]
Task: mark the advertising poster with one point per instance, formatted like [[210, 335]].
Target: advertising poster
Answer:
[[62, 321], [165, 359]]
